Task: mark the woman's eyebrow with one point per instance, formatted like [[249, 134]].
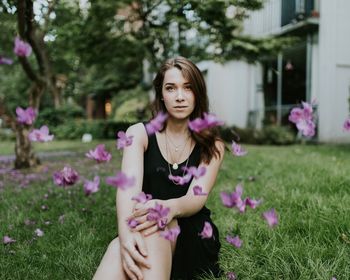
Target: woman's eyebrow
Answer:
[[187, 83]]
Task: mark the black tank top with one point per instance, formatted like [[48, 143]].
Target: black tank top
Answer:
[[156, 172]]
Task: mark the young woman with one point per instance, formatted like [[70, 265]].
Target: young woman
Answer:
[[142, 252]]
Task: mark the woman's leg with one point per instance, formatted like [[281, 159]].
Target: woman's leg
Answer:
[[110, 267], [160, 253]]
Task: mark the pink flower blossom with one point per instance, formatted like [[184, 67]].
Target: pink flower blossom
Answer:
[[99, 154], [232, 199], [8, 240], [38, 232], [67, 176], [180, 180], [26, 116], [271, 217], [197, 190], [303, 118], [237, 150], [5, 60], [40, 135], [231, 276], [22, 48], [234, 240], [142, 197], [158, 213], [123, 140], [132, 223], [91, 186], [171, 234], [121, 181], [156, 124], [346, 125], [195, 172], [252, 203], [208, 121], [207, 231]]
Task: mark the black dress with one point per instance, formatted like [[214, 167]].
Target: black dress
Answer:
[[193, 255]]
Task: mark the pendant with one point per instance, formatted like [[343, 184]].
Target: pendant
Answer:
[[175, 166], [176, 149]]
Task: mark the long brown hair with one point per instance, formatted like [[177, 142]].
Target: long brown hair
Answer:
[[207, 137]]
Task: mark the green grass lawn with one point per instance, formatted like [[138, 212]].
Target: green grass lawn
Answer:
[[309, 186]]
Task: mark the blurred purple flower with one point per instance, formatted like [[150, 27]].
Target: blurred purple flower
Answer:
[[208, 121], [38, 232], [346, 125], [123, 140], [195, 172], [158, 213], [179, 179], [271, 217], [156, 124], [22, 48], [232, 199], [121, 181], [91, 186], [235, 241], [197, 190], [303, 118], [142, 197], [252, 203], [132, 223], [207, 231], [67, 176], [26, 116], [237, 150], [231, 276], [5, 60], [8, 240], [99, 154], [40, 135], [171, 234]]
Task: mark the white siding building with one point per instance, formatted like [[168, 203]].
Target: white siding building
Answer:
[[316, 68]]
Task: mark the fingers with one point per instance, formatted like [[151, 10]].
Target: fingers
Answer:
[[136, 256], [144, 225], [150, 230], [141, 245], [131, 269], [139, 212]]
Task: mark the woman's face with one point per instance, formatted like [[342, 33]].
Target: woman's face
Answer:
[[177, 93]]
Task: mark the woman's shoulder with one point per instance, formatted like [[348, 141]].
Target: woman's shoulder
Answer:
[[139, 133]]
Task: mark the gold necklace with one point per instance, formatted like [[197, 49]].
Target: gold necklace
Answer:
[[175, 165], [176, 146]]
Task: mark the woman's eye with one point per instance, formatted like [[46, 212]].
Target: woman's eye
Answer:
[[188, 88], [169, 88]]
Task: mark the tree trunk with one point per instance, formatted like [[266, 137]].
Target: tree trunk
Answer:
[[25, 158]]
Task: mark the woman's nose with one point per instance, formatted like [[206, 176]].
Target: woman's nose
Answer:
[[179, 95]]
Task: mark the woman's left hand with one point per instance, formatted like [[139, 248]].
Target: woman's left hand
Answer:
[[140, 216]]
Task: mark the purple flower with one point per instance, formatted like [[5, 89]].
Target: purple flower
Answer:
[[271, 217], [22, 48], [5, 60], [156, 124], [91, 186], [252, 203], [235, 241], [233, 199], [40, 135], [8, 240], [207, 231], [195, 172], [159, 213], [197, 190], [26, 116], [99, 154], [171, 234], [121, 181], [123, 140], [179, 179], [142, 197], [346, 125], [67, 176], [208, 121], [132, 223], [237, 150], [303, 119], [38, 232], [231, 276]]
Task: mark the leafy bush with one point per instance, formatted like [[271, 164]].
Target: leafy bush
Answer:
[[53, 117]]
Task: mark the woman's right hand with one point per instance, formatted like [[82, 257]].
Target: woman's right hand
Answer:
[[133, 253]]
